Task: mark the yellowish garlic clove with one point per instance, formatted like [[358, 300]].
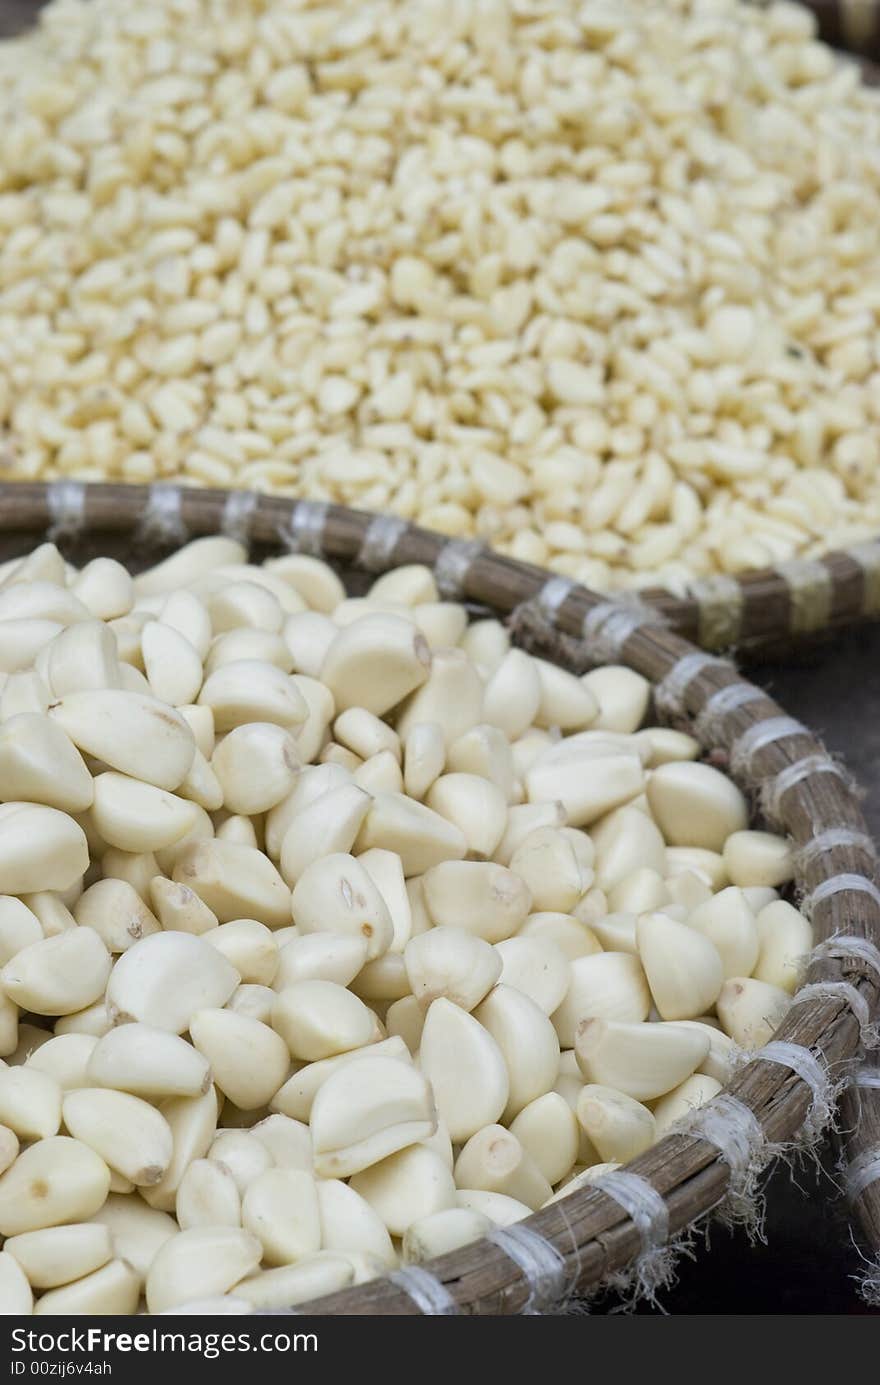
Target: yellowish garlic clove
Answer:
[[147, 1062], [111, 1290], [622, 696], [202, 1261], [363, 1112], [320, 957], [132, 733], [30, 1102], [513, 694], [350, 1224], [295, 1098], [380, 774], [605, 985], [727, 920], [319, 1019], [676, 1105], [53, 1181], [528, 1043], [454, 1042], [572, 938], [555, 867], [413, 1183], [234, 881], [547, 1129], [335, 894], [452, 697], [499, 1208], [179, 908], [441, 1232], [40, 849], [249, 1061], [480, 897], [751, 1011], [424, 757], [758, 858], [60, 975], [683, 967], [244, 1157], [207, 1196], [40, 764], [249, 946], [587, 785], [421, 837], [641, 1060], [620, 1127], [247, 690], [66, 1057], [137, 1230], [696, 805], [640, 893], [785, 940], [375, 662], [284, 1287], [60, 1254], [536, 967], [494, 1161], [307, 636], [256, 766], [130, 1135], [281, 1209]]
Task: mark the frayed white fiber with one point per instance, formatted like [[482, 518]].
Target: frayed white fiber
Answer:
[[862, 1172], [608, 626], [304, 531], [735, 1131], [380, 540], [850, 947], [654, 1267], [669, 693], [810, 591], [707, 724], [541, 1263], [829, 839], [427, 1292], [553, 595], [867, 555], [839, 884], [720, 604], [867, 1076], [453, 565], [162, 520], [774, 789], [813, 1073], [844, 990], [238, 511], [757, 737], [67, 509], [869, 1284]]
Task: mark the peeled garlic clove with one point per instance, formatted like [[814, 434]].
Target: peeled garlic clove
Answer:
[[245, 643], [8, 1148], [452, 697], [207, 1196], [179, 908], [641, 1060], [696, 805], [15, 1291], [567, 935], [547, 1129], [165, 978], [682, 1100], [335, 894], [527, 1041], [719, 1061], [193, 1122], [500, 1209], [241, 1155], [66, 1058], [683, 967], [256, 765], [415, 1182], [30, 1102], [111, 1290], [284, 1287], [60, 1254], [349, 1223], [295, 1098], [424, 757], [625, 841], [131, 1136], [619, 1127], [326, 826], [380, 774], [253, 1001], [522, 820], [605, 985], [249, 1061], [60, 975], [474, 805], [307, 636], [479, 896], [235, 881], [366, 1111], [137, 1230], [453, 1042], [565, 702], [55, 1180], [250, 947], [40, 849], [138, 817], [751, 1011], [587, 785], [727, 920], [93, 1020], [641, 893], [202, 1261], [617, 933], [494, 1160], [548, 861], [247, 690], [440, 1232], [318, 1019], [320, 957], [622, 696], [419, 836], [375, 662], [758, 858], [132, 733], [785, 942], [116, 913], [82, 658], [513, 694], [452, 963], [320, 708], [288, 1141], [40, 764], [19, 927], [383, 980], [146, 1061], [281, 1209]]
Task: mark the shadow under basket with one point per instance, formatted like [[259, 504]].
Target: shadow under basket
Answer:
[[779, 1100]]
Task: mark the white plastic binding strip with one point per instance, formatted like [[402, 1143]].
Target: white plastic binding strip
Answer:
[[162, 519], [735, 1131], [849, 945], [775, 789], [725, 700], [831, 990], [809, 588], [238, 510], [867, 555], [380, 540], [669, 694], [540, 1261], [829, 839], [554, 594], [838, 884], [762, 734], [305, 531], [608, 626], [67, 509], [808, 1068], [430, 1296], [642, 1204], [720, 606], [453, 565], [862, 1172], [866, 1077]]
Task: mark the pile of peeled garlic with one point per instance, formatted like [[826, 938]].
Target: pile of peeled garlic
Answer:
[[335, 931]]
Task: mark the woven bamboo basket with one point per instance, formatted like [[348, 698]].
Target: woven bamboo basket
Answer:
[[780, 1097]]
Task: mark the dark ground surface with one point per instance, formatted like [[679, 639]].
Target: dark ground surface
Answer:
[[807, 1263]]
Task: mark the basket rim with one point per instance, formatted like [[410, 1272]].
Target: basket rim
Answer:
[[592, 1233]]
